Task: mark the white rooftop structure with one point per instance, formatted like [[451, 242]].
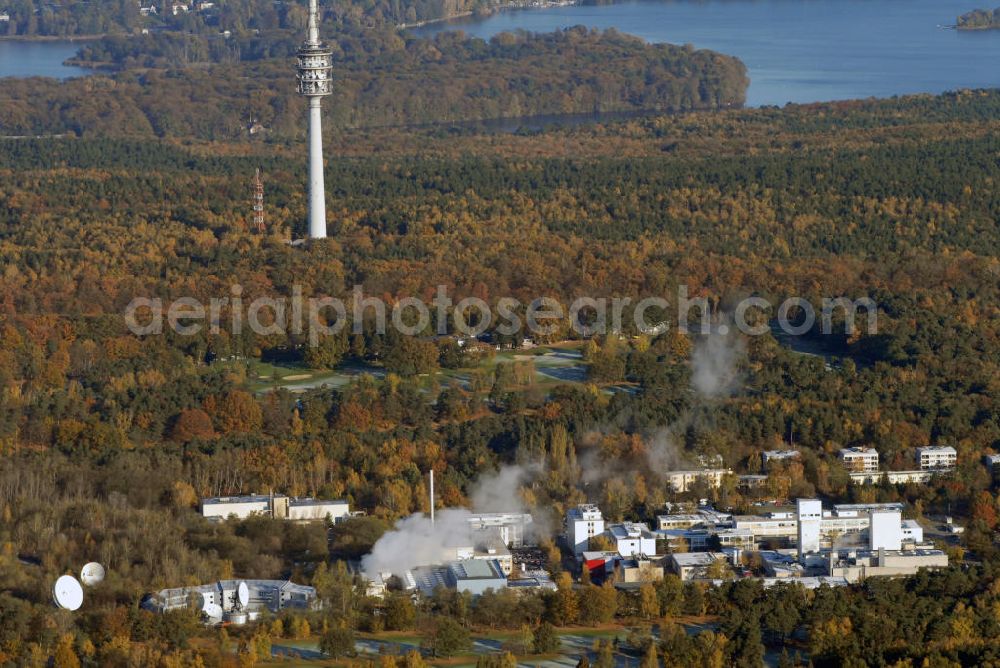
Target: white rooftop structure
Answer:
[[886, 532], [937, 457], [690, 565], [583, 523], [532, 580], [633, 539], [683, 480], [474, 576], [781, 563], [894, 477], [513, 526], [912, 532], [483, 544], [769, 456], [271, 595], [809, 582], [278, 506], [679, 521], [841, 508], [856, 565], [809, 515], [859, 460]]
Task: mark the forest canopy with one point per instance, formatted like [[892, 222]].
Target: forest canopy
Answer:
[[450, 78], [979, 19], [108, 439]]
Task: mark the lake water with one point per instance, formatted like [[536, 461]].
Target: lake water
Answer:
[[796, 50], [38, 59]]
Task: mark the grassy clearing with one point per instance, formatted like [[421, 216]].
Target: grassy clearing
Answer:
[[549, 360]]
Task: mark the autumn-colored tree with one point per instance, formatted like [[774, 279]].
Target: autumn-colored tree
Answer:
[[239, 412], [191, 424], [984, 509], [650, 659], [649, 602], [65, 655], [566, 609]]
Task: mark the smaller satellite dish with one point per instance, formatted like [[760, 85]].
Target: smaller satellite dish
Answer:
[[213, 611], [92, 574], [205, 599], [243, 594], [67, 593]]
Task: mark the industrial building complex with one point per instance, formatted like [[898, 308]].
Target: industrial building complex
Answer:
[[804, 542], [841, 545], [233, 601]]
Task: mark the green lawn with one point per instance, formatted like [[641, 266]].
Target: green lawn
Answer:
[[265, 376]]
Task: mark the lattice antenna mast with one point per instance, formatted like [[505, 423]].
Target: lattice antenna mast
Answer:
[[258, 202], [313, 82]]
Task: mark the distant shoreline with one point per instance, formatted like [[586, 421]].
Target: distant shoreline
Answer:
[[517, 4], [52, 38], [427, 22]]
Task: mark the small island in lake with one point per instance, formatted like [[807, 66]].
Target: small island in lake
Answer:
[[979, 19]]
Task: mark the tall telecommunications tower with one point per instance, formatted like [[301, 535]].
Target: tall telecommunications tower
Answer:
[[258, 202], [313, 79]]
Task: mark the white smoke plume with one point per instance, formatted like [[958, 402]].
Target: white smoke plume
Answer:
[[414, 541], [715, 374], [714, 365], [500, 492], [662, 451]]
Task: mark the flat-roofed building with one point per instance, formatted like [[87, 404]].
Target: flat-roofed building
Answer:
[[483, 544], [691, 565], [781, 564], [679, 521], [772, 456], [894, 477], [271, 595], [278, 506], [240, 507], [708, 539], [837, 524], [638, 570], [632, 539], [855, 565], [859, 460], [600, 564], [912, 532], [682, 481], [532, 580], [751, 481], [763, 527], [886, 532], [937, 457], [843, 508], [475, 576], [316, 509], [809, 514], [514, 527], [583, 523]]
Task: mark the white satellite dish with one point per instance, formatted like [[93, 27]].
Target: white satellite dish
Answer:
[[243, 594], [92, 574], [213, 611], [67, 593]]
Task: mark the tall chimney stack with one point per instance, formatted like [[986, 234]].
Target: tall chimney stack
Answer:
[[432, 497]]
